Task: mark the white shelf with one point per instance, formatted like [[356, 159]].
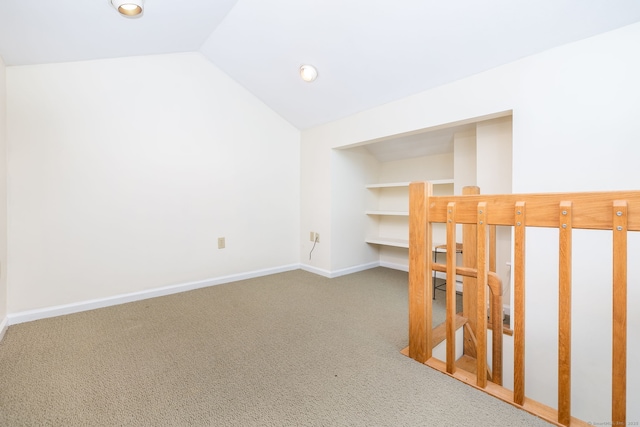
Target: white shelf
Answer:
[[441, 181], [389, 185], [406, 184], [388, 213], [387, 241]]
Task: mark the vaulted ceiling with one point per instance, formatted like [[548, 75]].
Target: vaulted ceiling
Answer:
[[368, 52]]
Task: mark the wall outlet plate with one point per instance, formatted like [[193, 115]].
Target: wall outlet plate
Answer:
[[221, 242]]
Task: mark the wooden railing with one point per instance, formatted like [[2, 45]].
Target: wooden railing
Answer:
[[618, 212]]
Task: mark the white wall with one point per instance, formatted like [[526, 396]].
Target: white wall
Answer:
[[465, 172], [353, 170], [433, 167], [494, 156], [315, 206], [575, 128], [3, 199], [123, 174]]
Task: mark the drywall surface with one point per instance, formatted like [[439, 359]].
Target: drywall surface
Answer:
[[125, 172], [353, 169], [465, 172], [3, 197]]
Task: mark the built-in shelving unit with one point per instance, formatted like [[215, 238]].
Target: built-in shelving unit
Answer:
[[372, 179], [390, 226]]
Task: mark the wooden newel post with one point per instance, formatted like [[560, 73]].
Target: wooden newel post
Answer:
[[420, 272]]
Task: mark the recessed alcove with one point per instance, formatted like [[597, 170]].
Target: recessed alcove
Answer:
[[371, 180]]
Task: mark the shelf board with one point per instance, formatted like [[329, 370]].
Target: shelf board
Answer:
[[441, 181], [388, 241], [388, 213], [389, 185], [406, 184]]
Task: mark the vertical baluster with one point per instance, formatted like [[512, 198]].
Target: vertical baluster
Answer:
[[492, 264], [519, 303], [469, 302], [564, 315], [496, 358], [495, 308], [451, 287], [482, 281], [619, 359], [492, 248]]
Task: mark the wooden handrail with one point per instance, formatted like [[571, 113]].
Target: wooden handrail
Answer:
[[591, 211]]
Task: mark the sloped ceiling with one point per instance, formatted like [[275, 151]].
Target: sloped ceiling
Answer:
[[368, 52]]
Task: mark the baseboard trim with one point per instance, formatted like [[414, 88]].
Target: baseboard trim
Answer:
[[394, 266], [354, 269], [4, 324], [60, 310], [337, 273], [316, 270]]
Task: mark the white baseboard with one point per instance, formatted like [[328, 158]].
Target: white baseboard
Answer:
[[394, 266], [315, 270], [341, 272], [43, 313], [354, 269], [4, 324]]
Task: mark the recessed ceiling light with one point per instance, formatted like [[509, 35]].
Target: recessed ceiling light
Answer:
[[128, 8], [308, 73]]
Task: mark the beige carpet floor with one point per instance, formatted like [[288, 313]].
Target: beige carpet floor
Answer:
[[291, 349]]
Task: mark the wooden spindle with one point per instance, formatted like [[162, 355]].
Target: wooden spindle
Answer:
[[469, 302], [492, 267], [481, 309], [619, 358], [451, 288], [564, 314], [518, 302]]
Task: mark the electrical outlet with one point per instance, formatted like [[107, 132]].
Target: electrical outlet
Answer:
[[221, 243], [312, 236], [317, 239]]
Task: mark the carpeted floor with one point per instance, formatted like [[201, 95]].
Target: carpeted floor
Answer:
[[291, 349]]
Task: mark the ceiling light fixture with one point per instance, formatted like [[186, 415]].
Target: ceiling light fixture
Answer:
[[128, 8], [308, 73]]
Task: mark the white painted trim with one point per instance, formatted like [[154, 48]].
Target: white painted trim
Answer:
[[4, 324], [394, 266], [337, 273], [354, 269], [316, 270], [43, 313]]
